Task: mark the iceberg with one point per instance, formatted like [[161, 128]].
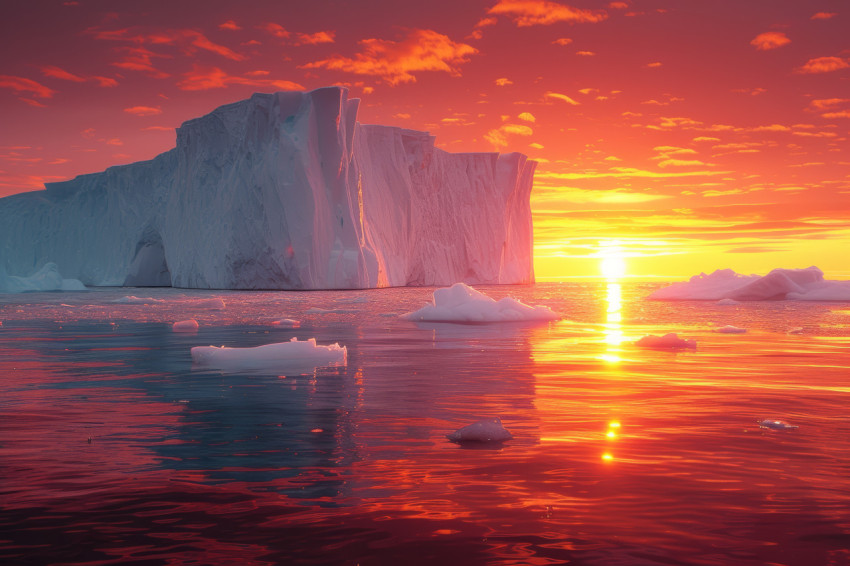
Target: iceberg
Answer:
[[789, 284], [47, 278], [669, 341], [486, 430], [303, 354], [190, 325], [462, 303], [284, 191]]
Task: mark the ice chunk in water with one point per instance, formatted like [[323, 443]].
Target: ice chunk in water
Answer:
[[270, 356], [190, 325], [286, 323], [462, 303], [729, 329], [669, 341], [776, 425], [486, 430]]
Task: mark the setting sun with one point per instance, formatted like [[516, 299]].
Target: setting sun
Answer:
[[613, 262]]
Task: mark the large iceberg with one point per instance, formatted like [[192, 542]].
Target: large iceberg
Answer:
[[284, 191], [792, 284]]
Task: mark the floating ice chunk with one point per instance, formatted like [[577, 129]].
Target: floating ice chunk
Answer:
[[270, 356], [729, 329], [727, 302], [190, 325], [797, 330], [669, 341], [776, 425], [286, 323], [47, 278], [133, 300], [486, 430], [793, 284], [461, 303], [213, 303], [317, 310]]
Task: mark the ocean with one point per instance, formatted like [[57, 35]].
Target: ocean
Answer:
[[114, 449]]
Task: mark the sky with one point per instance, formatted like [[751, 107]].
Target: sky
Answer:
[[679, 136]]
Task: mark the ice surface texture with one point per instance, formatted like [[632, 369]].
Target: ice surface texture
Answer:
[[461, 303], [284, 191], [47, 278], [794, 284], [270, 356], [486, 430]]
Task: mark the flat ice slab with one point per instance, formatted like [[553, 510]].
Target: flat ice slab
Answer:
[[462, 303], [190, 325], [486, 430], [299, 353], [776, 425], [724, 284]]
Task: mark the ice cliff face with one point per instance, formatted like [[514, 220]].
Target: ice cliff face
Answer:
[[283, 191]]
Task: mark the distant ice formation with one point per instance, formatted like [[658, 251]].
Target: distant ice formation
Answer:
[[776, 425], [669, 341], [486, 430], [47, 278], [295, 353], [286, 323], [284, 191], [462, 303], [793, 284], [190, 325]]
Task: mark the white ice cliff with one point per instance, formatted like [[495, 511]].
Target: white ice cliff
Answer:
[[283, 191]]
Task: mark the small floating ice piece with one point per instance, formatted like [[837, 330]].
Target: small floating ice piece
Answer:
[[797, 330], [213, 303], [776, 425], [486, 430], [669, 341], [462, 303], [286, 323], [725, 302], [190, 325], [270, 356], [133, 300], [729, 329]]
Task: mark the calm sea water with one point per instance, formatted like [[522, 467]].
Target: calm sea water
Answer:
[[115, 450]]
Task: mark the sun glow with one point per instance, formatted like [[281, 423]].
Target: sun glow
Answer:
[[613, 260]]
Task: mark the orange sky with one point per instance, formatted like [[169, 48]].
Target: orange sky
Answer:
[[698, 135]]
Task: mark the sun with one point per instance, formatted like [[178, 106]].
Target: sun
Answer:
[[613, 260]]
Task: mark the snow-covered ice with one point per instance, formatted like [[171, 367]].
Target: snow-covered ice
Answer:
[[286, 323], [485, 430], [284, 191], [462, 303], [794, 284], [47, 278], [729, 329], [669, 341], [190, 325], [776, 425], [301, 353]]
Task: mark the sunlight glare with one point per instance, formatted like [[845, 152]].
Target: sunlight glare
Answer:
[[613, 262]]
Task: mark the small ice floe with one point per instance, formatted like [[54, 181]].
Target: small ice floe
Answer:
[[317, 310], [797, 330], [462, 303], [215, 304], [486, 430], [286, 323], [726, 302], [729, 329], [776, 425], [296, 353], [190, 325], [669, 341]]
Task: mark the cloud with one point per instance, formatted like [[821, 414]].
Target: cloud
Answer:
[[504, 81], [839, 114], [823, 65], [143, 110], [141, 59], [57, 73], [276, 30], [230, 25], [770, 40], [543, 12], [396, 61], [823, 15], [315, 38], [681, 163], [562, 41], [526, 117], [559, 96], [22, 85], [188, 39], [827, 103], [208, 78], [499, 136], [625, 173]]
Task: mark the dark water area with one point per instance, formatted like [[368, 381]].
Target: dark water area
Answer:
[[114, 449]]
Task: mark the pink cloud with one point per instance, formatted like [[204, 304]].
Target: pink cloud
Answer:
[[143, 110], [315, 38], [543, 12], [770, 40], [209, 78], [396, 61], [823, 15], [23, 85], [229, 25], [823, 65], [276, 30]]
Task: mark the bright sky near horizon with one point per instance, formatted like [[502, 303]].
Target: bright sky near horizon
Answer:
[[675, 136]]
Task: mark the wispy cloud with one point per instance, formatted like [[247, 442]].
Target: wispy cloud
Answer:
[[543, 12], [397, 61], [24, 85], [823, 65], [770, 40], [499, 136], [201, 78], [823, 15], [559, 96], [315, 38], [62, 74], [143, 110]]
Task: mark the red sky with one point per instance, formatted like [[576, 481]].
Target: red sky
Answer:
[[689, 135]]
